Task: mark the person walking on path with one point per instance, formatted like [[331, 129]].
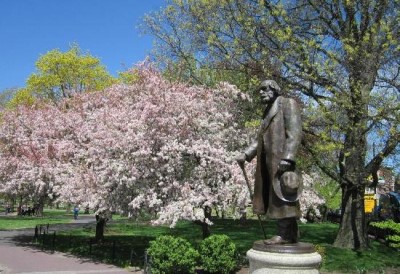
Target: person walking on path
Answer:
[[76, 212]]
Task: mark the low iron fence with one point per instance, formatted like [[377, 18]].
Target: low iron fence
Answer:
[[110, 250]]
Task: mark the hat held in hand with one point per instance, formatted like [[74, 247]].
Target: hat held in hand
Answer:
[[289, 187]]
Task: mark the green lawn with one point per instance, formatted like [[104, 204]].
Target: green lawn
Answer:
[[50, 216], [126, 241]]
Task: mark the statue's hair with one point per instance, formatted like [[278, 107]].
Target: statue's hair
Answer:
[[273, 85]]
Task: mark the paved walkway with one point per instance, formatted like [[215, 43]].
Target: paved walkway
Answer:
[[18, 256]]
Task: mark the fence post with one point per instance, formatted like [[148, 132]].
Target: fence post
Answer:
[[43, 239], [147, 263], [131, 257], [90, 247], [113, 251], [54, 241], [36, 233]]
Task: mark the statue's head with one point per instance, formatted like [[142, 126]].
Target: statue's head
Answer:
[[269, 91]]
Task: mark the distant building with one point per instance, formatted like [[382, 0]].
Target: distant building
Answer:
[[376, 195], [386, 181]]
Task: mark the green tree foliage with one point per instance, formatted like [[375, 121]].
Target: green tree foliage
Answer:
[[329, 191], [21, 97], [62, 74], [129, 77], [339, 58]]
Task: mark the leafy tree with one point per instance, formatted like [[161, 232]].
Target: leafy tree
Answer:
[[62, 74], [329, 191], [128, 77], [21, 97], [340, 58]]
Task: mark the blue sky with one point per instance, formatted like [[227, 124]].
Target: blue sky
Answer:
[[107, 29]]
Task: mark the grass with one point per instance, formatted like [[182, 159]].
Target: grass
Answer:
[[377, 259], [50, 216], [126, 242]]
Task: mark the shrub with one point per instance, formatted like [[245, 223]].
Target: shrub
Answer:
[[393, 230], [218, 254], [170, 254]]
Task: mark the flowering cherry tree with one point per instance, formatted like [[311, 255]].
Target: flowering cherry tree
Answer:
[[26, 166], [310, 200], [154, 145]]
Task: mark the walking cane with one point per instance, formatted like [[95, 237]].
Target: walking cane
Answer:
[[251, 196]]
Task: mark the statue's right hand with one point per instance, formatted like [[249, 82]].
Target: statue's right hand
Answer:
[[241, 159]]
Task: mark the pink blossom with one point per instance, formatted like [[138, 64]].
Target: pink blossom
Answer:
[[158, 146]]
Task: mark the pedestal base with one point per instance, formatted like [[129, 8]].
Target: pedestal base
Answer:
[[294, 259]]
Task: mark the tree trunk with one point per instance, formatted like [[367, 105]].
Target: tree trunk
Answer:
[[39, 206], [100, 226], [205, 228], [19, 209], [243, 215], [352, 232], [324, 213], [13, 203]]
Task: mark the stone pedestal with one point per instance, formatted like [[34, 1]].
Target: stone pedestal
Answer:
[[299, 258]]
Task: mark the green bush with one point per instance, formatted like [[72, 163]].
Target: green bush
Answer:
[[170, 254], [394, 231], [218, 254]]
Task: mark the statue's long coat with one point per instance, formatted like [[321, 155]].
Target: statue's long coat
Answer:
[[278, 139]]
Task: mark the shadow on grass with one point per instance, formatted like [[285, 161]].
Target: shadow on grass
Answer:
[[318, 233], [121, 251], [126, 241], [377, 259]]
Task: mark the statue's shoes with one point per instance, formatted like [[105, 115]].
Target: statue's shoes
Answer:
[[276, 240]]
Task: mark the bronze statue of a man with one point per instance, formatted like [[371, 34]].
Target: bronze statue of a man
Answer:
[[277, 184]]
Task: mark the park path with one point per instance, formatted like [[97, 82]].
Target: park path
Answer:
[[18, 256]]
